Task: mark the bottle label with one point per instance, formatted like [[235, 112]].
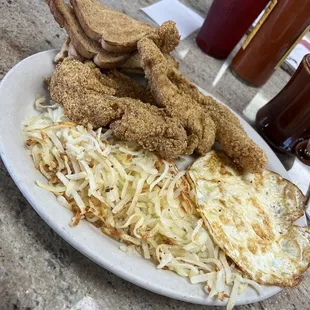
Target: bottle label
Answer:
[[292, 47], [250, 37]]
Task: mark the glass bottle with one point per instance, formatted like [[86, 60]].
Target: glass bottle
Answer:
[[285, 120], [286, 23], [226, 23]]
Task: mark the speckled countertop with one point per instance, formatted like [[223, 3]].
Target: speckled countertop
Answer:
[[39, 270]]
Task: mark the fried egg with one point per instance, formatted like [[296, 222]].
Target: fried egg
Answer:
[[250, 217]]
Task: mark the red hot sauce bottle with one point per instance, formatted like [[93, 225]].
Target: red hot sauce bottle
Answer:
[[226, 23]]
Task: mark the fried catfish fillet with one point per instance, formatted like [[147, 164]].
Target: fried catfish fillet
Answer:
[[202, 117], [88, 97]]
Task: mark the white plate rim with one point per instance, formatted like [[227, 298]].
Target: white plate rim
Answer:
[[70, 237]]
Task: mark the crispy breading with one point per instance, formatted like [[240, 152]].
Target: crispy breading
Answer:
[[66, 77], [126, 86], [229, 131], [166, 37], [123, 85], [199, 127], [79, 89], [133, 64], [202, 117], [151, 128]]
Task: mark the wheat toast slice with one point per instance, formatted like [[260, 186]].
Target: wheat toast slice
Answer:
[[86, 47], [115, 31]]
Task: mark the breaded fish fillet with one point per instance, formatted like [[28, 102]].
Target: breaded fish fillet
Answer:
[[80, 89], [202, 117]]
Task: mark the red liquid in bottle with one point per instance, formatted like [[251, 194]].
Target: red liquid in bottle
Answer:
[[226, 23]]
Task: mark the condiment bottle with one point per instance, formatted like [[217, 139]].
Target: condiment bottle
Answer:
[[285, 120], [271, 42], [226, 23], [302, 151]]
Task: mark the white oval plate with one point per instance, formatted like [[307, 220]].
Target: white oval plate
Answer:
[[17, 94]]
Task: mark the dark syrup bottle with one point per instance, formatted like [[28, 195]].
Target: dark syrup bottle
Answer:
[[285, 120]]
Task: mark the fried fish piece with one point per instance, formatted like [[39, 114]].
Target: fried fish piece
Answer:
[[126, 86], [202, 117], [133, 64], [229, 131], [166, 37], [199, 127], [80, 89]]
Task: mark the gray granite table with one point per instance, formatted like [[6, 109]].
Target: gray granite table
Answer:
[[39, 270]]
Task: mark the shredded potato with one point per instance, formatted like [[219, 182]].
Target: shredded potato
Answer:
[[131, 195]]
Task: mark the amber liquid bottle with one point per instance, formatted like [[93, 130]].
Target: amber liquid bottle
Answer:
[[285, 120], [287, 21]]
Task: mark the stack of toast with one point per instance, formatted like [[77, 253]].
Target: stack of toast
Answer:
[[107, 37]]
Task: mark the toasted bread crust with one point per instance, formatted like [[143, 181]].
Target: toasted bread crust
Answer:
[[86, 47], [63, 53], [116, 31], [117, 48], [73, 53]]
